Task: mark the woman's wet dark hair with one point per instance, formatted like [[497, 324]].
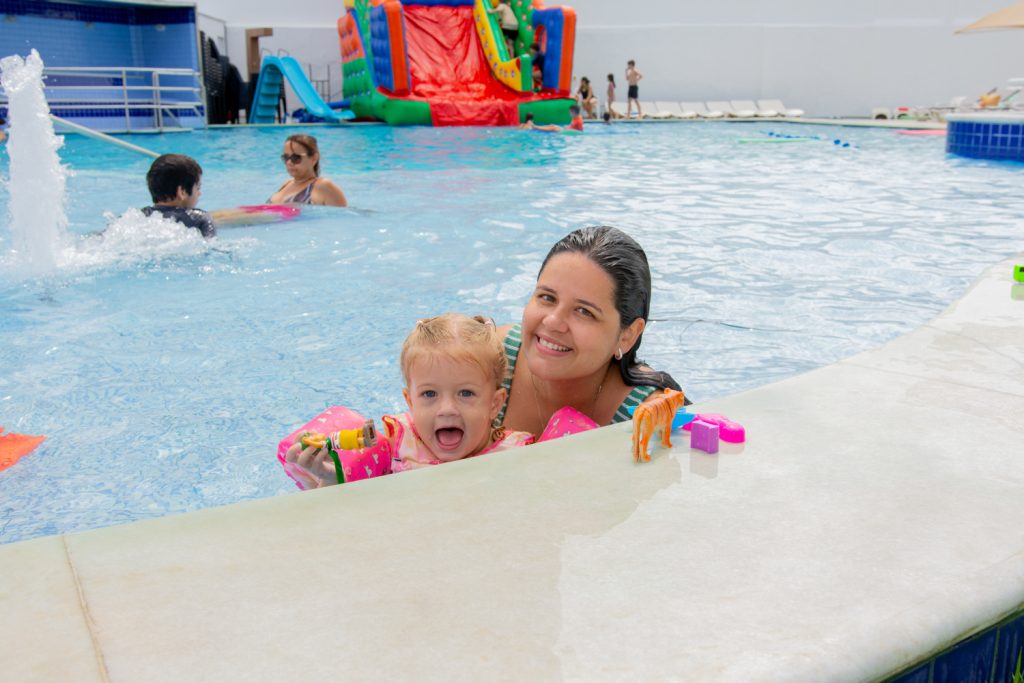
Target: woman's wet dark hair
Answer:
[[307, 142], [619, 255]]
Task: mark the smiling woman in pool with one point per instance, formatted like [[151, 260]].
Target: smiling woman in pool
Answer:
[[581, 329], [301, 158]]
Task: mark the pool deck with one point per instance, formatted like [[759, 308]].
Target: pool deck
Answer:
[[907, 124], [873, 517]]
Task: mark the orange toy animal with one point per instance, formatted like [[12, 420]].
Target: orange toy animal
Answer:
[[654, 414]]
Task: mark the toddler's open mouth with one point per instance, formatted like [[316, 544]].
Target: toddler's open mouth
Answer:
[[449, 438]]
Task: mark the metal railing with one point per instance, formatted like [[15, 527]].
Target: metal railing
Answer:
[[157, 93]]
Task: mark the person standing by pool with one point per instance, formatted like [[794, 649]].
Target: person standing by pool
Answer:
[[610, 107], [3, 135], [633, 77], [174, 182], [578, 339], [301, 159]]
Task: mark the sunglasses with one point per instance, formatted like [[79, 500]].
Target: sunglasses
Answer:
[[292, 158]]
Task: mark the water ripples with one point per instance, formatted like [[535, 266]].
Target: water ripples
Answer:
[[164, 368]]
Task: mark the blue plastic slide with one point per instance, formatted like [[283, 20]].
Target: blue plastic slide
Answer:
[[273, 71]]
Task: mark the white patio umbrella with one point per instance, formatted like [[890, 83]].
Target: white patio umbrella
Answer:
[[1009, 17]]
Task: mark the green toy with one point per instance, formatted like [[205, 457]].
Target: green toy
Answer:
[[1018, 273]]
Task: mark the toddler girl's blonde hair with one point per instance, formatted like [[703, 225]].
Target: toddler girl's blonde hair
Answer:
[[461, 337]]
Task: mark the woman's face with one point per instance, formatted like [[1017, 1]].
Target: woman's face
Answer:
[[571, 328], [304, 165]]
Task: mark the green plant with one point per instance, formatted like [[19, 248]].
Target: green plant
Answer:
[[1018, 677]]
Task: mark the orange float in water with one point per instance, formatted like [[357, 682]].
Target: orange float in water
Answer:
[[14, 446]]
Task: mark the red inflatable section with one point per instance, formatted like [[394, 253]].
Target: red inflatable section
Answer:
[[14, 446], [450, 72]]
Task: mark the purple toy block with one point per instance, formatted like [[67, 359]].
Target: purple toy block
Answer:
[[704, 436]]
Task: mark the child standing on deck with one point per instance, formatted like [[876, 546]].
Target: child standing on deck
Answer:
[[610, 108], [453, 366], [633, 79]]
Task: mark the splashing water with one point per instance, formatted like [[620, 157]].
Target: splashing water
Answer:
[[38, 223]]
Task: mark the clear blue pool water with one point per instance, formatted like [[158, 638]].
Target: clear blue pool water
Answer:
[[165, 369]]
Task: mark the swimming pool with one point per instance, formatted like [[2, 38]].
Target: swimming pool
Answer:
[[165, 369]]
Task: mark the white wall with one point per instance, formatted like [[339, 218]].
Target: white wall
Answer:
[[828, 57]]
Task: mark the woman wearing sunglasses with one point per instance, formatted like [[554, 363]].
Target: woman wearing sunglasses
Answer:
[[301, 159]]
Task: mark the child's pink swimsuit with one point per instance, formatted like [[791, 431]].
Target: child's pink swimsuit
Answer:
[[409, 452], [398, 447]]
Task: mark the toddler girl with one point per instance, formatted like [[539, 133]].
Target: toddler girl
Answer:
[[453, 367]]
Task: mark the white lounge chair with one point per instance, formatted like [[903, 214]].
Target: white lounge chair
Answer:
[[749, 106], [730, 111], [650, 111], [674, 110], [778, 106], [700, 110], [744, 112]]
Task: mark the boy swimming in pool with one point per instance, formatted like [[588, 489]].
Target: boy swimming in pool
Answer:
[[453, 367], [575, 124], [174, 184]]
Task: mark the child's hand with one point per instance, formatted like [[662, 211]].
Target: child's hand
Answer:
[[317, 462]]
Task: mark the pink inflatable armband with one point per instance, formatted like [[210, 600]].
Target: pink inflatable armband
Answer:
[[728, 430], [359, 463], [564, 422], [284, 211]]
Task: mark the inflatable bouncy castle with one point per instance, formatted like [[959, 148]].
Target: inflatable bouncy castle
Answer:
[[446, 63]]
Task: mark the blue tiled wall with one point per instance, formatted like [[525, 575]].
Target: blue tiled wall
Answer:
[[99, 34], [95, 34], [986, 139], [990, 656]]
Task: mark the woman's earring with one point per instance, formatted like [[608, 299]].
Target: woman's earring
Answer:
[[618, 354]]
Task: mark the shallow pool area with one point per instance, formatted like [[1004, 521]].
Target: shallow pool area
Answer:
[[164, 369]]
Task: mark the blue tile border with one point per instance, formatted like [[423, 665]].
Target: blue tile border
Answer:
[[98, 11], [1009, 647], [986, 657], [986, 139]]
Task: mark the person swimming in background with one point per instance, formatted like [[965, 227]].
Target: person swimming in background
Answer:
[[174, 182], [577, 118], [576, 124], [528, 124], [301, 159], [453, 366]]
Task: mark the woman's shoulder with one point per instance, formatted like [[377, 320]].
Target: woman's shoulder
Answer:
[[328, 192], [505, 330]]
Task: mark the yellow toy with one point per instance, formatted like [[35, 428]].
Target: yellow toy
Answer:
[[654, 414], [344, 440]]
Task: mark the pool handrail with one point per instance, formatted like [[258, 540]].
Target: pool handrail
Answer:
[[89, 132], [129, 89]]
